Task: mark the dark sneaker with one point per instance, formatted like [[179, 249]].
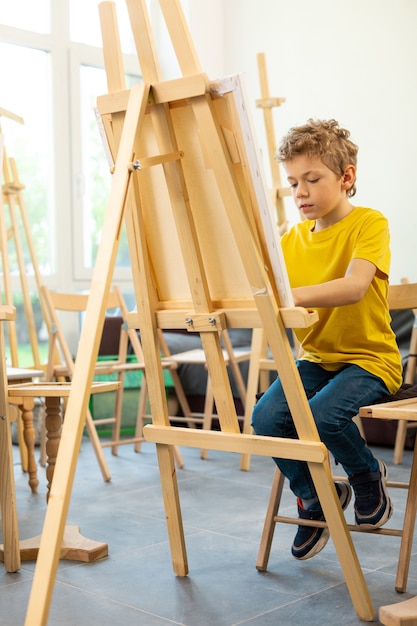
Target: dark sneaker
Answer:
[[310, 540], [373, 506]]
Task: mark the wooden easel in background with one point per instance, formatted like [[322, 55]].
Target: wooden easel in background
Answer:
[[17, 233], [188, 186], [12, 236], [4, 236], [267, 103]]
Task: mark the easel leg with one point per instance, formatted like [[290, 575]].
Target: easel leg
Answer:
[[172, 508], [342, 540], [58, 504], [252, 389]]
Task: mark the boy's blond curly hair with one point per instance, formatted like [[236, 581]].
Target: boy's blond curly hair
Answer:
[[324, 139]]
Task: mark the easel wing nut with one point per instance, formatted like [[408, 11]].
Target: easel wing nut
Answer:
[[207, 322]]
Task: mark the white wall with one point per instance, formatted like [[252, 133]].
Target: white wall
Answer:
[[355, 62]]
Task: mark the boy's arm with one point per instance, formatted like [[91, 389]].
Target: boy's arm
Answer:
[[339, 292]]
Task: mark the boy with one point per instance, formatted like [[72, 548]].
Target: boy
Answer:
[[338, 263]]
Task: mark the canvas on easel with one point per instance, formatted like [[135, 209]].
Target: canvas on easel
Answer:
[[201, 258]]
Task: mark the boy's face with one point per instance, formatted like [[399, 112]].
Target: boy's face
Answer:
[[317, 191]]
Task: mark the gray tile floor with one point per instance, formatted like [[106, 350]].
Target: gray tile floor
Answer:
[[223, 511]]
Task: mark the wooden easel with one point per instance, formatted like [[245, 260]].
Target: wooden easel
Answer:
[[267, 103], [11, 203], [21, 223], [4, 235], [12, 197], [201, 260]]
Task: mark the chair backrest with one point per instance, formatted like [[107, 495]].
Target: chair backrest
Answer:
[[400, 298], [60, 357]]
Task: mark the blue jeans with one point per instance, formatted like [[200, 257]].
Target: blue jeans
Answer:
[[334, 399]]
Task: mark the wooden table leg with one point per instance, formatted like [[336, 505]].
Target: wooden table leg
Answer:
[[53, 425], [26, 407]]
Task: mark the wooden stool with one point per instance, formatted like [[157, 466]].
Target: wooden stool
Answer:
[[75, 547], [399, 614], [401, 410]]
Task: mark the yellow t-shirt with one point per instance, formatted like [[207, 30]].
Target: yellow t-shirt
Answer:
[[357, 333]]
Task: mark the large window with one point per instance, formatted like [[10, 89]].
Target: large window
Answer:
[[29, 143], [27, 14], [51, 74], [85, 24], [92, 174]]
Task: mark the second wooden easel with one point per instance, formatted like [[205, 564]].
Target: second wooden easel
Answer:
[[203, 258], [13, 235], [268, 103]]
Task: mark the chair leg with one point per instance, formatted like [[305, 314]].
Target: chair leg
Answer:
[[182, 399], [143, 396], [95, 441], [400, 441], [358, 421], [269, 524], [42, 443], [118, 406], [208, 412], [252, 389]]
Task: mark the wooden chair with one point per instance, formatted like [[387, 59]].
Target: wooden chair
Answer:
[[61, 366], [61, 361], [400, 297], [9, 520]]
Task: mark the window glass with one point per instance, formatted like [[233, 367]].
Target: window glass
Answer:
[[29, 144], [85, 24], [95, 170], [26, 14]]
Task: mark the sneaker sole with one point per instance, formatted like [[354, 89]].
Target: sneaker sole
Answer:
[[344, 498], [389, 509], [318, 547]]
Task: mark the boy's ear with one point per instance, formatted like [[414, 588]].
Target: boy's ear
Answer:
[[349, 177]]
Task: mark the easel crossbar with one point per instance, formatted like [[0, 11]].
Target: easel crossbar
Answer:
[[300, 450], [295, 317]]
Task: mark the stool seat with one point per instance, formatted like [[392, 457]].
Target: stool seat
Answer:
[[397, 409]]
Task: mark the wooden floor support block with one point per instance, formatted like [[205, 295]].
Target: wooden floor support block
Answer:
[[74, 547], [400, 613]]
